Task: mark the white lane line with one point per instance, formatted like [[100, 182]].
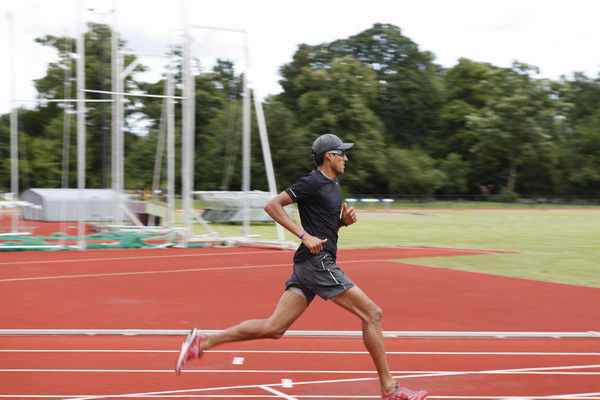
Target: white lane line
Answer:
[[443, 353], [171, 256], [171, 271], [516, 371], [333, 381], [574, 395], [167, 271], [453, 249], [278, 393], [228, 396]]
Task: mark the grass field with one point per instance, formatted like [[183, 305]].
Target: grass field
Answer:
[[557, 245]]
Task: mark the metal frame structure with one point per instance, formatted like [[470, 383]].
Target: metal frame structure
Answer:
[[119, 73]]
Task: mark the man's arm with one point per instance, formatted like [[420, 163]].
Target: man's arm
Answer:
[[275, 209]]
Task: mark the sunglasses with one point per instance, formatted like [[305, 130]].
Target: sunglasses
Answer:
[[338, 152]]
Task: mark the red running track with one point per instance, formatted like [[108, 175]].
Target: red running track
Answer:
[[213, 288]]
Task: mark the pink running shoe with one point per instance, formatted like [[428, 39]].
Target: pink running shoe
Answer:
[[403, 393], [190, 349]]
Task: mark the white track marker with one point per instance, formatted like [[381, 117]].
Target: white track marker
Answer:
[[516, 398], [277, 392], [238, 360], [287, 383]]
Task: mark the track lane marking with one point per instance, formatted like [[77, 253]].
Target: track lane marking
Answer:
[[433, 249], [451, 353], [278, 393], [516, 371], [136, 257], [188, 391], [167, 271]]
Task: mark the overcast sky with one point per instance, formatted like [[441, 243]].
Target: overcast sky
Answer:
[[558, 36]]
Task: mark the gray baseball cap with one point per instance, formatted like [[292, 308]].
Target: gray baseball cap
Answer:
[[328, 142]]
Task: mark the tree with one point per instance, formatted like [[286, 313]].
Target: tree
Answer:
[[289, 152], [584, 177], [217, 116], [4, 152], [517, 120], [412, 172], [465, 92], [336, 100], [407, 97], [60, 78], [578, 146], [456, 174]]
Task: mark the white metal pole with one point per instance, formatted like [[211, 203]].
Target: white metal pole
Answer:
[[160, 153], [188, 94], [14, 164], [266, 149], [14, 128], [120, 146], [67, 119], [81, 137], [170, 150], [115, 119], [246, 145]]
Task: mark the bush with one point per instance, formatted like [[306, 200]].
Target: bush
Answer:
[[506, 196]]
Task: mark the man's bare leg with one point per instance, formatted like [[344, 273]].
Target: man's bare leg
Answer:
[[290, 306], [357, 302]]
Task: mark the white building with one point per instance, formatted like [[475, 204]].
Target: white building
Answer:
[[63, 204]]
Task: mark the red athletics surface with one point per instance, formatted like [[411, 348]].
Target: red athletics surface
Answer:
[[318, 367], [213, 288]]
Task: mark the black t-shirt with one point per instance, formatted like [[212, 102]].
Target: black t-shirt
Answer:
[[320, 204]]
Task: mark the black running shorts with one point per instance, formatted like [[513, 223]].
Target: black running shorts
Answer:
[[319, 275]]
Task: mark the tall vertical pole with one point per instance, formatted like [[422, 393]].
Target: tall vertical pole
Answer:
[[170, 149], [14, 163], [246, 147], [67, 119], [14, 127], [118, 84], [266, 149], [81, 136], [116, 121], [120, 145], [186, 164]]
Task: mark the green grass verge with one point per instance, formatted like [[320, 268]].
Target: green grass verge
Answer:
[[551, 244]]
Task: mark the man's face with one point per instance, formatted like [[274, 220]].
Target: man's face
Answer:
[[338, 161]]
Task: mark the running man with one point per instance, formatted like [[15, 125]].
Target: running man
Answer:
[[322, 213]]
